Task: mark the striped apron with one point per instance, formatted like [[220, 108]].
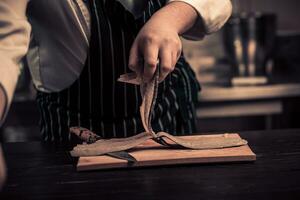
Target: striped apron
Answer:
[[111, 109]]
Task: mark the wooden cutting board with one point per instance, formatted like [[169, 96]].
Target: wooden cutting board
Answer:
[[152, 154]]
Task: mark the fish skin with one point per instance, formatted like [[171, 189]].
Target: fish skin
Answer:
[[90, 137], [105, 146], [149, 94]]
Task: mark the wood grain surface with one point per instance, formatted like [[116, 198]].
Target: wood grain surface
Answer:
[[153, 154]]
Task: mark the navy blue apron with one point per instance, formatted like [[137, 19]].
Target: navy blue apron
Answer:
[[111, 109]]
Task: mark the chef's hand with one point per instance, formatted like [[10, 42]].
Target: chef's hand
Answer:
[[159, 40]]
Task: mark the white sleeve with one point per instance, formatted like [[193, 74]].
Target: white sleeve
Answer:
[[212, 16], [14, 41]]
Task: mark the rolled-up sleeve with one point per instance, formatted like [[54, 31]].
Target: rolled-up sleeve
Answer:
[[14, 41], [212, 16]]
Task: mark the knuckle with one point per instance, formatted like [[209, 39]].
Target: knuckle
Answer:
[[173, 46], [168, 40], [151, 63], [172, 41], [177, 44], [166, 68], [150, 38]]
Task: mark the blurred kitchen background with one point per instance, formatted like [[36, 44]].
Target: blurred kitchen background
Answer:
[[249, 72]]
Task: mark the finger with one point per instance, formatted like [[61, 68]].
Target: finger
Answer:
[[175, 56], [134, 59], [166, 63], [178, 54], [150, 61], [174, 59]]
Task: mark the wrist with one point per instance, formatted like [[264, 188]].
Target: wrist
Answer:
[[176, 16]]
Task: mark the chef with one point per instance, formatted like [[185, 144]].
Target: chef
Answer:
[[77, 49]]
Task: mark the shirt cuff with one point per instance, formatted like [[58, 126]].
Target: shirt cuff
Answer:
[[212, 16]]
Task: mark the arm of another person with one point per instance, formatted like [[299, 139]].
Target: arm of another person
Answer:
[[2, 168], [159, 38], [2, 162], [14, 41]]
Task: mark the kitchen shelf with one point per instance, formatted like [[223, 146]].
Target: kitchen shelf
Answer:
[[275, 91]]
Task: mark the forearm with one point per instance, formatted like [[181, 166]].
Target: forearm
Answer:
[[178, 15], [14, 41]]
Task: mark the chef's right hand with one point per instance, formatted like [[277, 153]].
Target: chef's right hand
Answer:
[[159, 40]]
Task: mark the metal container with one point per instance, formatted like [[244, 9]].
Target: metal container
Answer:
[[249, 43]]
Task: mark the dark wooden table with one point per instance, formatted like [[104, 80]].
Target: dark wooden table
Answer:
[[39, 171]]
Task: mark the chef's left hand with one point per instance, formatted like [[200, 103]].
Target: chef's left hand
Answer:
[[159, 40]]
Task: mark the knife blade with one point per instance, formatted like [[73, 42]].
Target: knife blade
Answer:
[[122, 155]]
